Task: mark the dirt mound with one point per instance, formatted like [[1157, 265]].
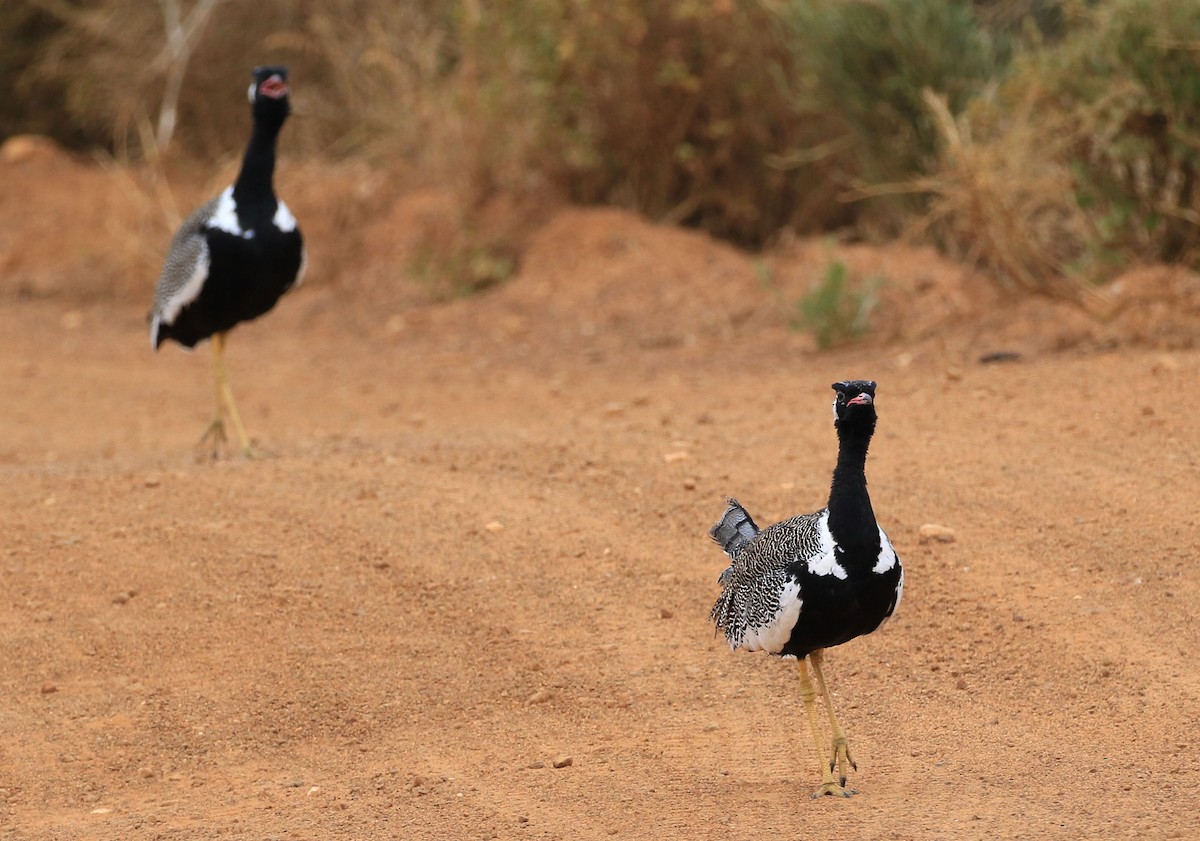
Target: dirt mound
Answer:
[[580, 278]]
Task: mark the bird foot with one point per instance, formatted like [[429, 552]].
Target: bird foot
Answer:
[[840, 751], [214, 432], [832, 789]]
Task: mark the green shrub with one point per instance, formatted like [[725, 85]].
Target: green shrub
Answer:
[[866, 63], [1086, 158], [837, 310]]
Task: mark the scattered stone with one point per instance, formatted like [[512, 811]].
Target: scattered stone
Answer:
[[123, 597], [1165, 364], [665, 613], [540, 697], [689, 484], [145, 773], [495, 526], [49, 688], [611, 410], [563, 762], [677, 455], [313, 790], [961, 683], [43, 616], [933, 533], [522, 819], [103, 810], [536, 765], [999, 356]]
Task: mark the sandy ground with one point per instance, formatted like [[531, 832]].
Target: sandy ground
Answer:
[[478, 550]]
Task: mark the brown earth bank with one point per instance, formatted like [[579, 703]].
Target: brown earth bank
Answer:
[[477, 548]]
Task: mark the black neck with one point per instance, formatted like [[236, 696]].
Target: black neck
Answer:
[[851, 518], [254, 182]]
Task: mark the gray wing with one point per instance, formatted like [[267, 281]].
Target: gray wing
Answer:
[[184, 269]]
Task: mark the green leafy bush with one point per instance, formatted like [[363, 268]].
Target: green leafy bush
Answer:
[[838, 310]]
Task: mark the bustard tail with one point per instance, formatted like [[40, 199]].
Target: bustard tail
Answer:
[[735, 529]]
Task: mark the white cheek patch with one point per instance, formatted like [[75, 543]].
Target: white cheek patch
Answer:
[[225, 217], [825, 561], [250, 94], [774, 635]]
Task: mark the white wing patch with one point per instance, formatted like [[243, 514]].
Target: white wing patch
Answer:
[[887, 555], [773, 636], [225, 217], [825, 561], [284, 220], [185, 294]]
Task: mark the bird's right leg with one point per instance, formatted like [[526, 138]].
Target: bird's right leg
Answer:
[[215, 431], [808, 695], [840, 748]]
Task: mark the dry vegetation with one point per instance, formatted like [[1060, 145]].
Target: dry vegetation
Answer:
[[1051, 144]]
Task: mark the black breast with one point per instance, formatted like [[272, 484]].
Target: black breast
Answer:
[[836, 610], [246, 277]]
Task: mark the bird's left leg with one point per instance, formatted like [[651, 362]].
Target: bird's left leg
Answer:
[[808, 695], [215, 431], [841, 748]]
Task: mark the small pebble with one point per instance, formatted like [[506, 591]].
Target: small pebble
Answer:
[[145, 773], [678, 455], [313, 790], [665, 613], [495, 526], [49, 688], [123, 597], [563, 762], [932, 532], [540, 697]]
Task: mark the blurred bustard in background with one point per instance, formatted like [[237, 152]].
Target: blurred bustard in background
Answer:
[[232, 259]]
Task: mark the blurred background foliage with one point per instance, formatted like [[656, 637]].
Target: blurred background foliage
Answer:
[[1047, 141]]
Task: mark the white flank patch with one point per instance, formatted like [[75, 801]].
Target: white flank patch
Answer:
[[284, 220], [774, 635], [186, 294], [825, 561], [225, 217], [303, 266], [887, 555]]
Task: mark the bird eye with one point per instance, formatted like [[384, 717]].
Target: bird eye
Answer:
[[841, 398]]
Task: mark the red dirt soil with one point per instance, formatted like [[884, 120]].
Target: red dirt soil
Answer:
[[478, 548]]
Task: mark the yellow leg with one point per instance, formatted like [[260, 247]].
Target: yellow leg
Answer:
[[225, 404], [808, 695], [841, 748]]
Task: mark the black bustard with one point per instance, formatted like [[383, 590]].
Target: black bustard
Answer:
[[817, 580], [233, 259]]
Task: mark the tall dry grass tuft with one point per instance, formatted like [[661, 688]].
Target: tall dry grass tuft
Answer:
[[1005, 202]]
